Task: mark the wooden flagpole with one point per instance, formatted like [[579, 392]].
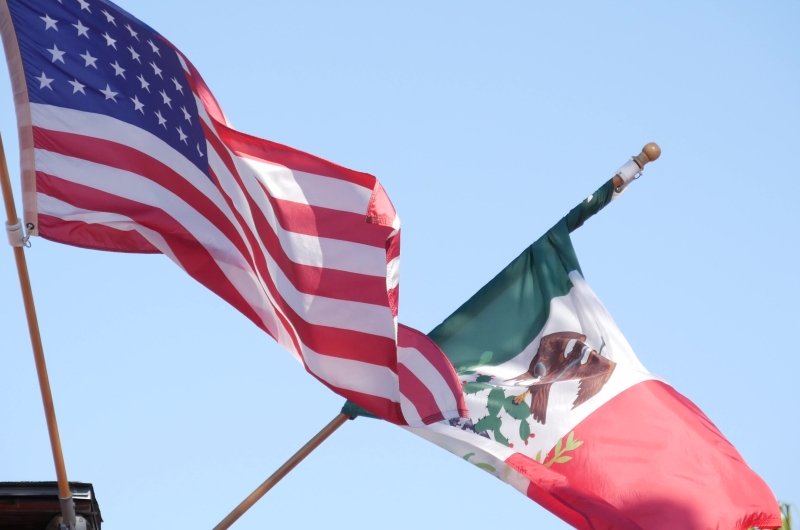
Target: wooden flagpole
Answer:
[[282, 471], [12, 227]]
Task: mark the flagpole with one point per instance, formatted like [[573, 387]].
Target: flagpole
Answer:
[[631, 170], [14, 230], [282, 471]]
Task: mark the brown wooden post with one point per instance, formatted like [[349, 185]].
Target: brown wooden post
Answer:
[[64, 493]]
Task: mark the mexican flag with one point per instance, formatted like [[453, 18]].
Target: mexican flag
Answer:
[[561, 408]]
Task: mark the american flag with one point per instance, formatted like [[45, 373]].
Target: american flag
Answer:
[[124, 148]]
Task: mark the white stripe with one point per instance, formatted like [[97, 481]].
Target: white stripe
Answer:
[[316, 310], [393, 273]]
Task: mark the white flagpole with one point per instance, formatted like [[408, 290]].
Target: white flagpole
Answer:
[[16, 240]]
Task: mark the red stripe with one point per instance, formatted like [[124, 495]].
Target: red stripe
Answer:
[[379, 406], [326, 222], [394, 299], [381, 210], [98, 237], [326, 340], [246, 145], [318, 281], [393, 247]]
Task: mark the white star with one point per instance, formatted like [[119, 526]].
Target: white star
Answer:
[[167, 99], [134, 55], [145, 84], [199, 151], [109, 94], [109, 41], [178, 86], [161, 120], [44, 81], [182, 136], [84, 5], [109, 17], [58, 55], [90, 61], [77, 86], [49, 22], [156, 70], [83, 31], [118, 70], [137, 105], [155, 48], [133, 33], [186, 115]]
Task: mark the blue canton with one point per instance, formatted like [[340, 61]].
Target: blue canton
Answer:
[[94, 57]]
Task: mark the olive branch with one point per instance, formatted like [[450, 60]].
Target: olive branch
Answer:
[[563, 446]]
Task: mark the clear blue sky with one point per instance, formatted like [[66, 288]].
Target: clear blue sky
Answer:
[[485, 123]]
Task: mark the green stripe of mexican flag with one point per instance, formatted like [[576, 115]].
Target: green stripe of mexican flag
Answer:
[[561, 408]]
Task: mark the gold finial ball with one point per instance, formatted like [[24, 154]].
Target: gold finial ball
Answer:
[[652, 151]]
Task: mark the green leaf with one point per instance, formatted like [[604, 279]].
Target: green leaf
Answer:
[[559, 447], [499, 438], [487, 467], [483, 378], [488, 423], [538, 456], [495, 403], [524, 430], [468, 456], [562, 459], [574, 445]]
